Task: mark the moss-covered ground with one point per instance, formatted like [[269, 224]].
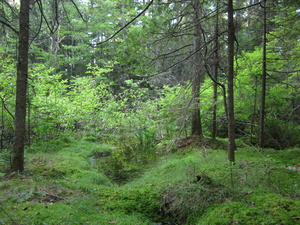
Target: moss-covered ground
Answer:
[[82, 182]]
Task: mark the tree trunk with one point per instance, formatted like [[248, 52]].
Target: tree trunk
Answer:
[[196, 80], [2, 127], [230, 78], [21, 85], [254, 114], [215, 75], [263, 85]]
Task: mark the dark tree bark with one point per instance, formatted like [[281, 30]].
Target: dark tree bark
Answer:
[[196, 79], [230, 79], [263, 85], [21, 85]]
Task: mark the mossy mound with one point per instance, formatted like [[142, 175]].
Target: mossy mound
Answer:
[[256, 208]]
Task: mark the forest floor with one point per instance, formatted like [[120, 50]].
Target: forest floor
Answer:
[[79, 182]]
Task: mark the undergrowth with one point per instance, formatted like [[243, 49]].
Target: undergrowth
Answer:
[[84, 182]]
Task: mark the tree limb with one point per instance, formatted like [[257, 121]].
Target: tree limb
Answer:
[[78, 11], [249, 6], [7, 110], [126, 25], [291, 71], [9, 26], [40, 4]]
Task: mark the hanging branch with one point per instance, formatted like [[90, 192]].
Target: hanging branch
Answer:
[[56, 12], [9, 26], [189, 55], [39, 29], [43, 15], [219, 84], [67, 16], [126, 25], [78, 11], [12, 9], [7, 110], [249, 6]]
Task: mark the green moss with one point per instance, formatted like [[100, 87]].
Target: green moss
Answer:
[[142, 200], [193, 186], [75, 212], [51, 146], [257, 208]]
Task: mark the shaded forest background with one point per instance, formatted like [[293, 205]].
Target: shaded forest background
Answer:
[[140, 74]]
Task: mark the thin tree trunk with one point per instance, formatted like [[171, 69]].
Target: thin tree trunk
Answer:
[[230, 78], [196, 118], [215, 75], [28, 121], [21, 85], [263, 85], [2, 127], [253, 113]]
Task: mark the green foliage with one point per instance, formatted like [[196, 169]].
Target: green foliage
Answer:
[[47, 102], [5, 160], [281, 94], [174, 111], [281, 134], [7, 97]]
